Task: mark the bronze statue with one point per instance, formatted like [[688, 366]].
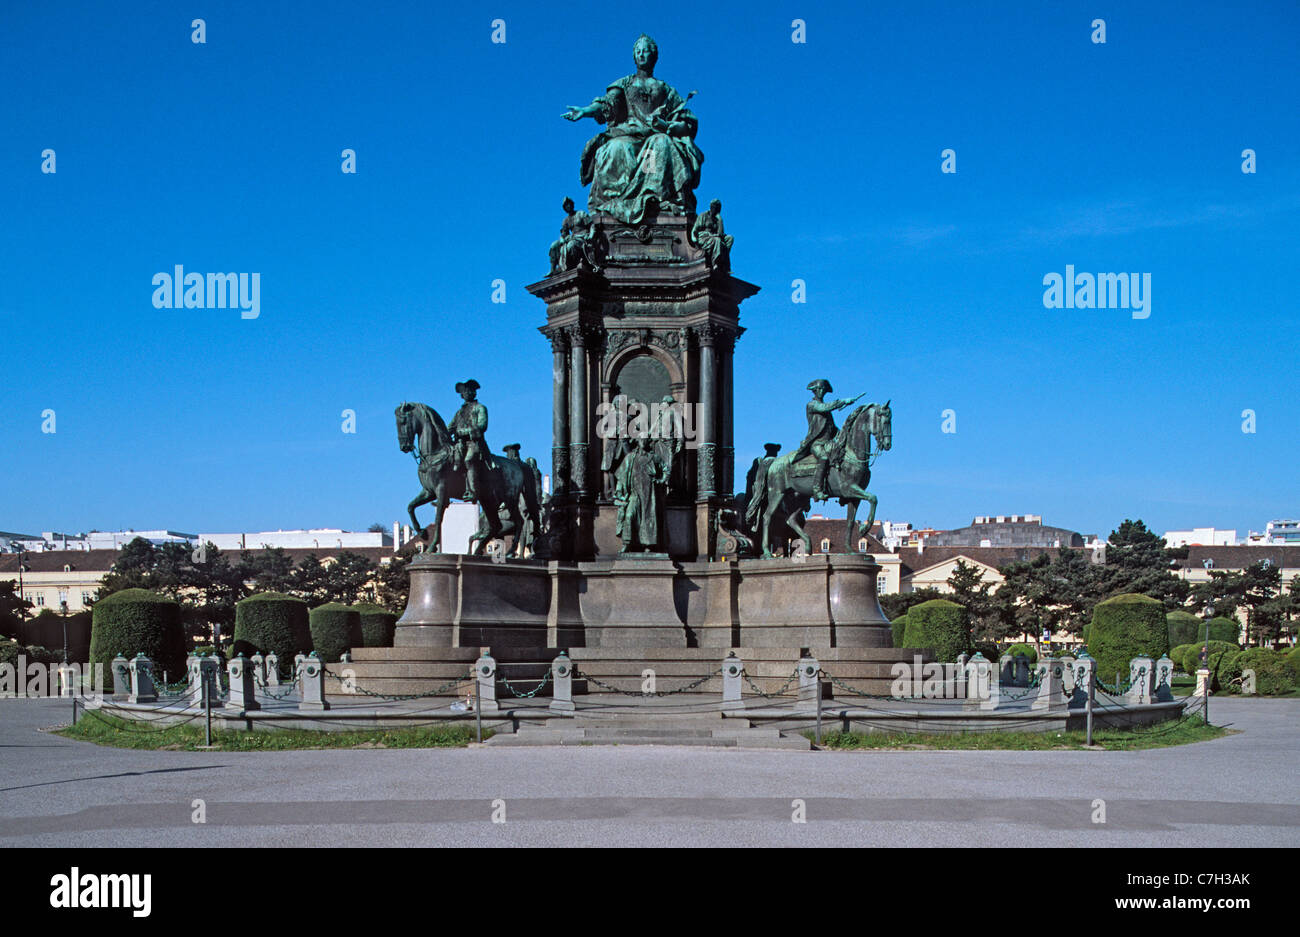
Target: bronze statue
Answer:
[[821, 431], [669, 435], [785, 483], [577, 241], [503, 483], [467, 428], [646, 160], [709, 236], [637, 496]]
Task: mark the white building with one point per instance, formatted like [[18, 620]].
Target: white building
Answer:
[[1276, 533], [1201, 537]]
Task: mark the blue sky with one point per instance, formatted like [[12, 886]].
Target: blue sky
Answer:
[[922, 287]]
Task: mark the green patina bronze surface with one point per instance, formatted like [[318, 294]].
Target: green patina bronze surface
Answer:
[[646, 159]]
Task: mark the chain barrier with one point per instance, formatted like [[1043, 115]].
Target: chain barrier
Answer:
[[856, 692], [660, 693], [518, 695], [397, 697], [265, 688], [780, 691]]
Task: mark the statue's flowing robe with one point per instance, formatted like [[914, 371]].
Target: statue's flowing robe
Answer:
[[638, 515], [630, 165]]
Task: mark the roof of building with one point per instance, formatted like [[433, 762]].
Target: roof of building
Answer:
[[51, 561], [1239, 557]]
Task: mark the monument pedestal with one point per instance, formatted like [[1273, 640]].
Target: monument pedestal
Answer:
[[630, 602]]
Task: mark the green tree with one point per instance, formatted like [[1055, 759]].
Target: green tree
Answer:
[[394, 584], [13, 610], [268, 570], [970, 589], [1138, 562]]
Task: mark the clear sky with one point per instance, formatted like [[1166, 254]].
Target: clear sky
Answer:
[[922, 287]]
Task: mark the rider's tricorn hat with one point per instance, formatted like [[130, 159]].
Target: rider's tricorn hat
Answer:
[[463, 386], [824, 384]]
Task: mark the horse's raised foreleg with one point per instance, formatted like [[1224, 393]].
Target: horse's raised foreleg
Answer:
[[424, 497]]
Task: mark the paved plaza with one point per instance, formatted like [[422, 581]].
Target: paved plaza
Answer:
[[1234, 791]]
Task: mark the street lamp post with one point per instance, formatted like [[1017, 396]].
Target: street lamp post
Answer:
[[1205, 660], [64, 604]]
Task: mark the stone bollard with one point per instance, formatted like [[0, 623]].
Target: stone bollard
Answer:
[[733, 670], [272, 664], [809, 675], [297, 666], [485, 672], [258, 663], [311, 671], [1140, 674], [142, 688], [562, 683], [1067, 673], [979, 677], [1085, 671], [1203, 681], [1164, 680], [1006, 669], [67, 680], [194, 674], [243, 691], [345, 657], [1022, 670], [121, 677], [1050, 695]]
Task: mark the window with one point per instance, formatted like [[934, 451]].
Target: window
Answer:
[[37, 598], [882, 585], [826, 545], [862, 545], [87, 598]]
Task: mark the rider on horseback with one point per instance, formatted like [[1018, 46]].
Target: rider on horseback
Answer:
[[821, 432], [470, 450]]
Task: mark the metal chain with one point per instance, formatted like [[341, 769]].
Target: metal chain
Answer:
[[439, 691], [613, 689], [516, 694], [856, 692], [785, 686]]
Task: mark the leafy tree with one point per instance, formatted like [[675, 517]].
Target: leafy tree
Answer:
[[970, 589], [1052, 591], [899, 603], [13, 609], [394, 585], [268, 570], [1138, 562]]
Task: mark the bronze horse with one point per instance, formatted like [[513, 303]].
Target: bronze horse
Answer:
[[780, 481], [508, 483]]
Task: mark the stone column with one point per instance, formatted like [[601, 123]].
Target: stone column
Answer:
[[562, 684], [1140, 672], [272, 669], [312, 673], [579, 437], [142, 688], [732, 674], [1050, 695], [559, 413], [1085, 671], [485, 672], [1164, 691], [706, 480], [121, 677], [809, 674], [243, 691]]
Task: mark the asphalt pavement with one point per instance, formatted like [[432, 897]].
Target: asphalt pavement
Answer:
[[1236, 791]]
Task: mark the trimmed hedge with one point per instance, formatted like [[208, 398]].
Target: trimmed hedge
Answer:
[[1179, 653], [1125, 627], [46, 630], [1293, 661], [1191, 660], [335, 628], [270, 622], [941, 626], [1272, 675], [137, 621], [1221, 629], [899, 628], [378, 625], [1183, 627], [1024, 650]]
